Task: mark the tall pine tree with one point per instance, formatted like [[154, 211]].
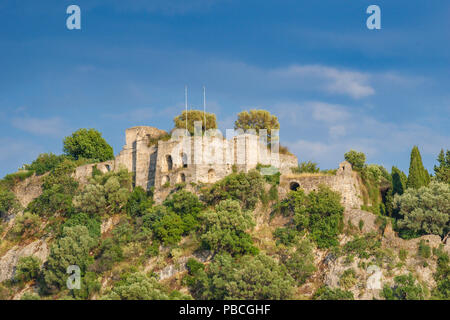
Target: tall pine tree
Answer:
[[418, 175]]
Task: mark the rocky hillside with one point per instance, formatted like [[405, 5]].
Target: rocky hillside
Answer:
[[305, 246]]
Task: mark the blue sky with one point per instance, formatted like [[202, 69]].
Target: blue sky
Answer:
[[334, 84]]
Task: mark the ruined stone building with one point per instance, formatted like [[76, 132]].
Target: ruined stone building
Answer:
[[160, 163]]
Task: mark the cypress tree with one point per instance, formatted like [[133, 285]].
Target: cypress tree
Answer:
[[418, 175], [442, 171], [399, 180]]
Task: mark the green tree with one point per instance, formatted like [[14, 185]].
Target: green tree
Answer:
[[356, 159], [193, 116], [418, 176], [88, 144], [257, 120], [71, 249], [442, 171], [225, 228], [248, 278], [300, 264], [425, 210], [320, 212], [106, 193], [27, 269]]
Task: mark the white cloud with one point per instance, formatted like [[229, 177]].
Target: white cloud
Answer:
[[332, 80], [326, 131], [50, 126]]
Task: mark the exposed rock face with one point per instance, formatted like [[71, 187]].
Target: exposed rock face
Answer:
[[356, 215], [28, 189], [391, 240], [109, 223], [9, 261]]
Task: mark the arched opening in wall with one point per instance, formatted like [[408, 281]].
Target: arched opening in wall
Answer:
[[108, 168], [165, 180], [182, 177], [294, 186], [184, 159], [211, 175], [169, 162]]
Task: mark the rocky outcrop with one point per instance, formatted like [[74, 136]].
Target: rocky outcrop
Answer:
[[391, 240], [180, 266], [28, 189], [368, 219], [8, 262]]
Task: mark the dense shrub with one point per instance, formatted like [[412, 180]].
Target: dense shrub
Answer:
[[404, 288], [363, 246], [285, 235], [187, 206], [12, 179], [26, 225], [89, 285], [169, 228], [108, 254], [245, 187], [138, 202], [138, 286], [225, 228], [442, 275], [27, 269], [194, 266], [306, 167], [8, 202], [58, 189], [93, 224], [248, 278], [45, 162], [319, 212], [327, 293]]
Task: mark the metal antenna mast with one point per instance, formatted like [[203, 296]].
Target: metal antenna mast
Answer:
[[204, 106], [186, 104]]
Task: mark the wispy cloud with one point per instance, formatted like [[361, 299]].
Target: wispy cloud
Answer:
[[341, 128], [53, 126]]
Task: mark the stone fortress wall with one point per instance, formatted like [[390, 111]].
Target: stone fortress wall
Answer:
[[198, 159], [345, 181]]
